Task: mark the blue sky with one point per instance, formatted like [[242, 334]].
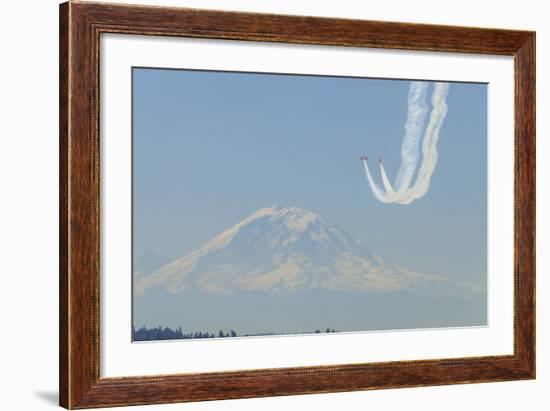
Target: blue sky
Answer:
[[210, 148]]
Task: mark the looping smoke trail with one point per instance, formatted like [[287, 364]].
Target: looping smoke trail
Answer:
[[377, 191], [404, 193], [410, 147], [386, 181]]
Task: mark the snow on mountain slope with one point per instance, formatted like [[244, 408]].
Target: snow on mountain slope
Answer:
[[281, 249]]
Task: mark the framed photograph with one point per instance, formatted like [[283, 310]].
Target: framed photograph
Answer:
[[259, 205]]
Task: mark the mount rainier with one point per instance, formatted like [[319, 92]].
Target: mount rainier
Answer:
[[286, 269], [280, 249]]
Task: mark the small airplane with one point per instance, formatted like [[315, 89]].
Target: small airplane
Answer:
[[363, 158], [380, 160]]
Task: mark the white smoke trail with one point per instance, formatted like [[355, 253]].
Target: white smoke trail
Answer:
[[377, 191], [410, 147], [404, 193], [429, 145], [386, 180]]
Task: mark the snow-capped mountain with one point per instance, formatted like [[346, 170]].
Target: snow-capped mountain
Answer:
[[284, 250], [148, 263]]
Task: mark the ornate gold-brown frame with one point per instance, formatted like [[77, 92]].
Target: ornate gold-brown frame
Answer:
[[80, 27]]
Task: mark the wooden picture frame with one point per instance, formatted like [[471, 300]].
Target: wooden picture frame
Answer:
[[81, 24]]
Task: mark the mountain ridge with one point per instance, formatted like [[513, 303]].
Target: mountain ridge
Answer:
[[285, 249]]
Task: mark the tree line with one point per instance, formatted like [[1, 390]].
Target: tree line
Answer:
[[166, 333]]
